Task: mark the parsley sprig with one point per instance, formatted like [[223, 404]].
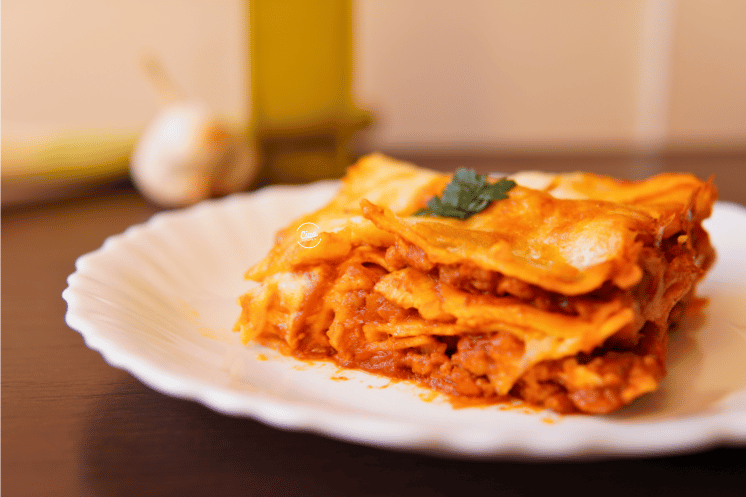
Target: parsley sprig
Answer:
[[468, 193]]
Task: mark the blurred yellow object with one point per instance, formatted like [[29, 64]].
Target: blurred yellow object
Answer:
[[35, 170], [301, 74]]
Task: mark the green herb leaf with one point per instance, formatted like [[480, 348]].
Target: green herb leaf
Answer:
[[468, 193]]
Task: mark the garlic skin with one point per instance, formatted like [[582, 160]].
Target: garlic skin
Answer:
[[185, 155]]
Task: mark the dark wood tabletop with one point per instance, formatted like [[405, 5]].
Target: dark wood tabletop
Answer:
[[73, 425]]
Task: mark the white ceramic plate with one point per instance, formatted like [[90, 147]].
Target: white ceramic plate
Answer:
[[159, 301]]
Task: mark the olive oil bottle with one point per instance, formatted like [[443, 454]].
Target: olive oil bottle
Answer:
[[301, 65]]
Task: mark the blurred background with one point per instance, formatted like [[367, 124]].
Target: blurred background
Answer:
[[311, 85]]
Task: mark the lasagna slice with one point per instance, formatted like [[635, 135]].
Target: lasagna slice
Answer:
[[560, 295]]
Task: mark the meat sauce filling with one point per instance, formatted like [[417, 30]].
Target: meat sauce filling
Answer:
[[629, 364]]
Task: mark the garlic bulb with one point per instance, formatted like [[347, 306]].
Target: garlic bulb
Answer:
[[185, 154]]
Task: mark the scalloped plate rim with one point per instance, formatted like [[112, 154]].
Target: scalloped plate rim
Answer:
[[720, 427]]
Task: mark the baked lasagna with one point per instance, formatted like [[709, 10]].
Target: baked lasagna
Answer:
[[561, 294]]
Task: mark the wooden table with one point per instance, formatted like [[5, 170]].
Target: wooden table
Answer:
[[73, 425]]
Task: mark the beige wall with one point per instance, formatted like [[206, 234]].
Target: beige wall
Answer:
[[529, 73], [542, 73], [74, 66], [505, 73], [708, 75]]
